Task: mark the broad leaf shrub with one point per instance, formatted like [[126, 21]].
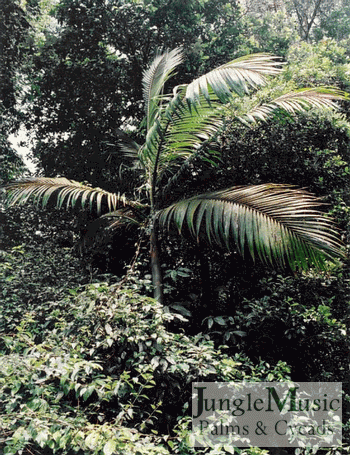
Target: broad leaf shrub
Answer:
[[300, 320], [309, 318], [29, 278], [107, 377], [273, 32], [325, 62]]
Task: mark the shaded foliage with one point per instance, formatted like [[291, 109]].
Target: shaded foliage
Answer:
[[94, 371], [108, 46], [13, 33], [11, 164]]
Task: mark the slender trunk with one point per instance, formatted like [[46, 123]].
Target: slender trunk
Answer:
[[155, 265], [155, 262], [304, 22]]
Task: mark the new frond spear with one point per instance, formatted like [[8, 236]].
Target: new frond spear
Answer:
[[278, 224]]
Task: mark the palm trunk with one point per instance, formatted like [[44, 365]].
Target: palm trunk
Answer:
[[155, 265], [154, 252]]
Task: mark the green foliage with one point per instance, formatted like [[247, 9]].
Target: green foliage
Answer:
[[107, 376], [37, 264], [324, 63], [308, 315], [30, 277], [11, 164], [13, 34], [275, 211], [102, 369], [109, 45], [178, 129], [273, 32], [336, 25], [311, 150]]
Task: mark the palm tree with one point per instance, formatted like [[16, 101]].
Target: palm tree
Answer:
[[278, 224]]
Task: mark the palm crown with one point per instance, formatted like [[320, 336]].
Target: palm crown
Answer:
[[276, 223]]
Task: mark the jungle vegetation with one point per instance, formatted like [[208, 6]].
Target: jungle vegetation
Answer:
[[187, 217]]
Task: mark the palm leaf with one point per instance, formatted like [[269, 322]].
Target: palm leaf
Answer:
[[187, 130], [69, 192], [127, 146], [236, 76], [214, 87], [103, 229], [186, 133], [180, 133], [154, 79], [276, 223], [297, 101], [123, 217]]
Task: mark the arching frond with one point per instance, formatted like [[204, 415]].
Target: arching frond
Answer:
[[214, 87], [297, 101], [175, 129], [154, 79], [276, 223], [187, 130], [68, 192], [236, 76]]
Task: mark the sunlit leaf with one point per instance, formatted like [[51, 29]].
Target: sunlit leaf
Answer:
[[236, 76], [154, 79]]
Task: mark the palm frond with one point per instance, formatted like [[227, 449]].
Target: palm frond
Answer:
[[276, 223], [214, 87], [297, 101], [188, 131], [103, 229], [236, 76], [126, 145], [125, 216], [154, 79], [180, 133], [174, 129], [149, 150], [69, 192]]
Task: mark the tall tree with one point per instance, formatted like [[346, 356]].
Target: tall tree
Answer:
[[13, 35], [308, 12], [107, 45], [275, 223], [336, 24]]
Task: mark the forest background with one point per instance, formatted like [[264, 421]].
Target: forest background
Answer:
[[90, 362]]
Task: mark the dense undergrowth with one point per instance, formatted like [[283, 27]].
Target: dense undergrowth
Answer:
[[100, 373], [101, 369]]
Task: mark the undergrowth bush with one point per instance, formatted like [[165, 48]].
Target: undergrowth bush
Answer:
[[107, 377]]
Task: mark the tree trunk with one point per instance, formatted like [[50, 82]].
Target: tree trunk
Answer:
[[155, 265], [306, 22]]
